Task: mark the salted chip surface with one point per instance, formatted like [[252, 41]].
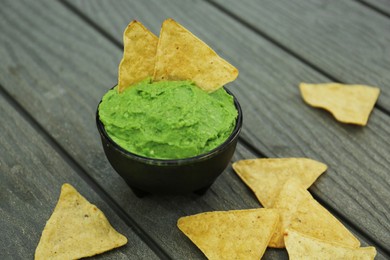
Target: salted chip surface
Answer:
[[235, 234], [348, 103], [266, 177], [140, 46], [301, 246], [301, 212], [76, 229], [183, 56]]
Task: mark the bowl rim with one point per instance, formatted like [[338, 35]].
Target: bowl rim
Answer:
[[182, 161]]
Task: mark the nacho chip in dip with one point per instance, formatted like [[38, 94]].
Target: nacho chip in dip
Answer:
[[139, 54], [265, 177], [183, 56], [76, 229], [235, 234], [348, 103]]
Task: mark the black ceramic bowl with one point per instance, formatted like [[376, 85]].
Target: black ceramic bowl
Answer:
[[148, 175]]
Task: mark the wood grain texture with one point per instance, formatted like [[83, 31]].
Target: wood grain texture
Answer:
[[343, 38], [53, 67], [32, 174], [276, 121], [64, 77]]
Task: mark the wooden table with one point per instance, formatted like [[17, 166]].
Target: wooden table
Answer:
[[57, 59]]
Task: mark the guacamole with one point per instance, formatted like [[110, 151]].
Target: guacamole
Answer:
[[168, 119]]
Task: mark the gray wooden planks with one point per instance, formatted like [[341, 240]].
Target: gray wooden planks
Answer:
[[40, 66], [75, 90], [342, 38], [30, 181], [276, 120]]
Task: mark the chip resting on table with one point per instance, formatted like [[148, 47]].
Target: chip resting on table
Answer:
[[350, 104], [76, 229], [235, 234]]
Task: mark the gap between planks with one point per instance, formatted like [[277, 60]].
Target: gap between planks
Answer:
[[90, 22], [160, 252], [374, 8], [246, 144], [283, 47]]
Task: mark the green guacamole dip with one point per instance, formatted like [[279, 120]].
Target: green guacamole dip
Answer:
[[168, 119]]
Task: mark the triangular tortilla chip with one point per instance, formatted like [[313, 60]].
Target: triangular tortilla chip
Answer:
[[235, 234], [301, 246], [301, 212], [265, 177], [139, 54], [76, 229], [348, 103], [182, 56]]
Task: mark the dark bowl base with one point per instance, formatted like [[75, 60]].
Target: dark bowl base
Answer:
[[141, 193]]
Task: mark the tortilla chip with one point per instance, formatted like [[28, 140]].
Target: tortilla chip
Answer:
[[348, 103], [301, 246], [139, 54], [235, 234], [76, 229], [182, 56], [301, 212], [265, 177]]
